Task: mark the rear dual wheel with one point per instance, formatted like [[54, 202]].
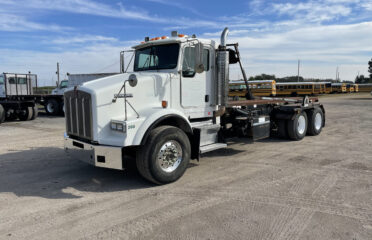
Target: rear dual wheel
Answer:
[[305, 123], [297, 127], [316, 121], [35, 113], [2, 114], [26, 114]]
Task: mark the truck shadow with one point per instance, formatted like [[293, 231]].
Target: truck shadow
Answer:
[[48, 173]]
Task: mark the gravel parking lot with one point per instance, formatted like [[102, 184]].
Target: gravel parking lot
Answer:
[[318, 188]]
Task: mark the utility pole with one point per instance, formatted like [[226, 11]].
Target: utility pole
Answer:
[[298, 71], [337, 74], [57, 74]]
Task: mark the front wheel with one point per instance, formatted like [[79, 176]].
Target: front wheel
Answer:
[[51, 107], [165, 155]]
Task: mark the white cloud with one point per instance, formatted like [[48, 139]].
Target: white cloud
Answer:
[[92, 59], [266, 46], [79, 7], [15, 23], [367, 6], [313, 11], [82, 39], [322, 47]]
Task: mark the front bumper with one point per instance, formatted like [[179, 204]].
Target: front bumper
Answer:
[[97, 155]]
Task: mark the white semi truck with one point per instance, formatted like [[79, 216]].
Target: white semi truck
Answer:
[[173, 107]]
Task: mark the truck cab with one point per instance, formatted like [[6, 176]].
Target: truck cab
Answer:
[[61, 88], [171, 107]]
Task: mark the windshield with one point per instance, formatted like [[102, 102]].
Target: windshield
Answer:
[[1, 79], [156, 57], [64, 84]]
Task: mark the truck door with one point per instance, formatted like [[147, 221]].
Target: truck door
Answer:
[[11, 85], [196, 88], [22, 85], [2, 86]]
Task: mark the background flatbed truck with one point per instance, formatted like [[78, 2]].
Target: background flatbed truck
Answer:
[[20, 95], [16, 97], [173, 107]]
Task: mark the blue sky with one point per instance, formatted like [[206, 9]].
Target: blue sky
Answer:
[[86, 36]]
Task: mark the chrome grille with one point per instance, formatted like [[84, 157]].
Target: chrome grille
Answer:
[[78, 114]]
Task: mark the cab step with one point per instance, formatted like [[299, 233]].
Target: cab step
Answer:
[[212, 147]]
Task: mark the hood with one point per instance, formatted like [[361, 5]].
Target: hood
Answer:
[[152, 88]]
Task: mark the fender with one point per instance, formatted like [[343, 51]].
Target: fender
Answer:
[[156, 118]]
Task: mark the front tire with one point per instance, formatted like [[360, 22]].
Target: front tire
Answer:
[[165, 155], [52, 107], [297, 127]]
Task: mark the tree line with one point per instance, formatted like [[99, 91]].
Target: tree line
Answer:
[[362, 78]]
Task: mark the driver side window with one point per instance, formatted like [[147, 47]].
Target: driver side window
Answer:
[[188, 65], [1, 79]]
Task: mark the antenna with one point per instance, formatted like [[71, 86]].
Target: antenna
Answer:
[[57, 74], [298, 71]]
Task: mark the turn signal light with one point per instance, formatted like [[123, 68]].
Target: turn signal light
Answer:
[[181, 35], [164, 104]]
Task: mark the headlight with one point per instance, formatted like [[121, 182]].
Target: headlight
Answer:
[[117, 126]]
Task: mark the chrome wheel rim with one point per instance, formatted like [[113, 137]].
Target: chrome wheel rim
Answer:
[[318, 121], [169, 156], [50, 107], [301, 124]]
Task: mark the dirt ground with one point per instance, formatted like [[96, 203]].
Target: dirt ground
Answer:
[[318, 188]]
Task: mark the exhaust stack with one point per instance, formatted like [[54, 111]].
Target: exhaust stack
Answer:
[[224, 37], [223, 72]]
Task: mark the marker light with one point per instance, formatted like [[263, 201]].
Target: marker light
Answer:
[[164, 104]]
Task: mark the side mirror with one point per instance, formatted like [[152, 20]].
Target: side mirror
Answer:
[[199, 66], [132, 80]]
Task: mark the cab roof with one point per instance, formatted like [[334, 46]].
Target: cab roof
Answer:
[[170, 40]]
